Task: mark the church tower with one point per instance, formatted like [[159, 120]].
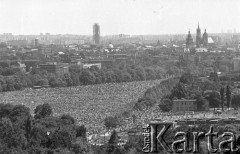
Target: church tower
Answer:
[[198, 37], [205, 39], [189, 45], [189, 41]]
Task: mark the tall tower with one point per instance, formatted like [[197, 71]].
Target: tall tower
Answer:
[[96, 34], [189, 45], [198, 37], [205, 39], [189, 41], [35, 42]]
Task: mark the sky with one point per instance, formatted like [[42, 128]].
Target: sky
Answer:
[[133, 17]]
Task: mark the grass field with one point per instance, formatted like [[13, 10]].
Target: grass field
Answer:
[[88, 104]]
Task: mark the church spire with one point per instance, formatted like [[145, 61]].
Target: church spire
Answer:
[[198, 37]]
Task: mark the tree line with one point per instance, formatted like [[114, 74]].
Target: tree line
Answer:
[[13, 79], [189, 86]]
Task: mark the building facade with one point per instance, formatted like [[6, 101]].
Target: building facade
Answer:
[[184, 105], [56, 68]]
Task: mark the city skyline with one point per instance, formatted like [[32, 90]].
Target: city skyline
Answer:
[[133, 17]]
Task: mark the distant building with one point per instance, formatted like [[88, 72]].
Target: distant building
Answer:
[[181, 105], [205, 39], [104, 62], [189, 40], [184, 105], [236, 64], [17, 43], [96, 34], [74, 41], [36, 43], [98, 65], [59, 41], [116, 56], [56, 68]]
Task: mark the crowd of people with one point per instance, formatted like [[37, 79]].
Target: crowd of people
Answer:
[[90, 104]]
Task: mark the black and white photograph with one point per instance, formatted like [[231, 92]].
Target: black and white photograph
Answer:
[[119, 76]]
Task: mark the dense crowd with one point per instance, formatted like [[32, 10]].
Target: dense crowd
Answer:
[[90, 105]]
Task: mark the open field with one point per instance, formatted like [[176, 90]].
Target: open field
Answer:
[[88, 104]]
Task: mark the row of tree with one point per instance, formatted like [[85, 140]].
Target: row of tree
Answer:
[[16, 80], [190, 87], [154, 94]]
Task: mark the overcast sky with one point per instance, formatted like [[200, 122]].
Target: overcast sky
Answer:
[[135, 17]]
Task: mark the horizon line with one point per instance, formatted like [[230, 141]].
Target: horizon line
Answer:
[[52, 34]]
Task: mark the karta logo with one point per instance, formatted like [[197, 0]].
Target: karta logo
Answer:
[[181, 141]]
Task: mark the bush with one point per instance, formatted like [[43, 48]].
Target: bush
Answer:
[[19, 112], [68, 118], [126, 77], [186, 78], [68, 80], [42, 111], [87, 77], [110, 77], [141, 74], [61, 138], [75, 78], [5, 110], [150, 74]]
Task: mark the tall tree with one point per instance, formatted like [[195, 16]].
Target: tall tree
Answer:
[[28, 126], [200, 103], [87, 77], [222, 96], [113, 142], [228, 96], [235, 102], [214, 76], [213, 98], [42, 111], [165, 105], [178, 91]]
